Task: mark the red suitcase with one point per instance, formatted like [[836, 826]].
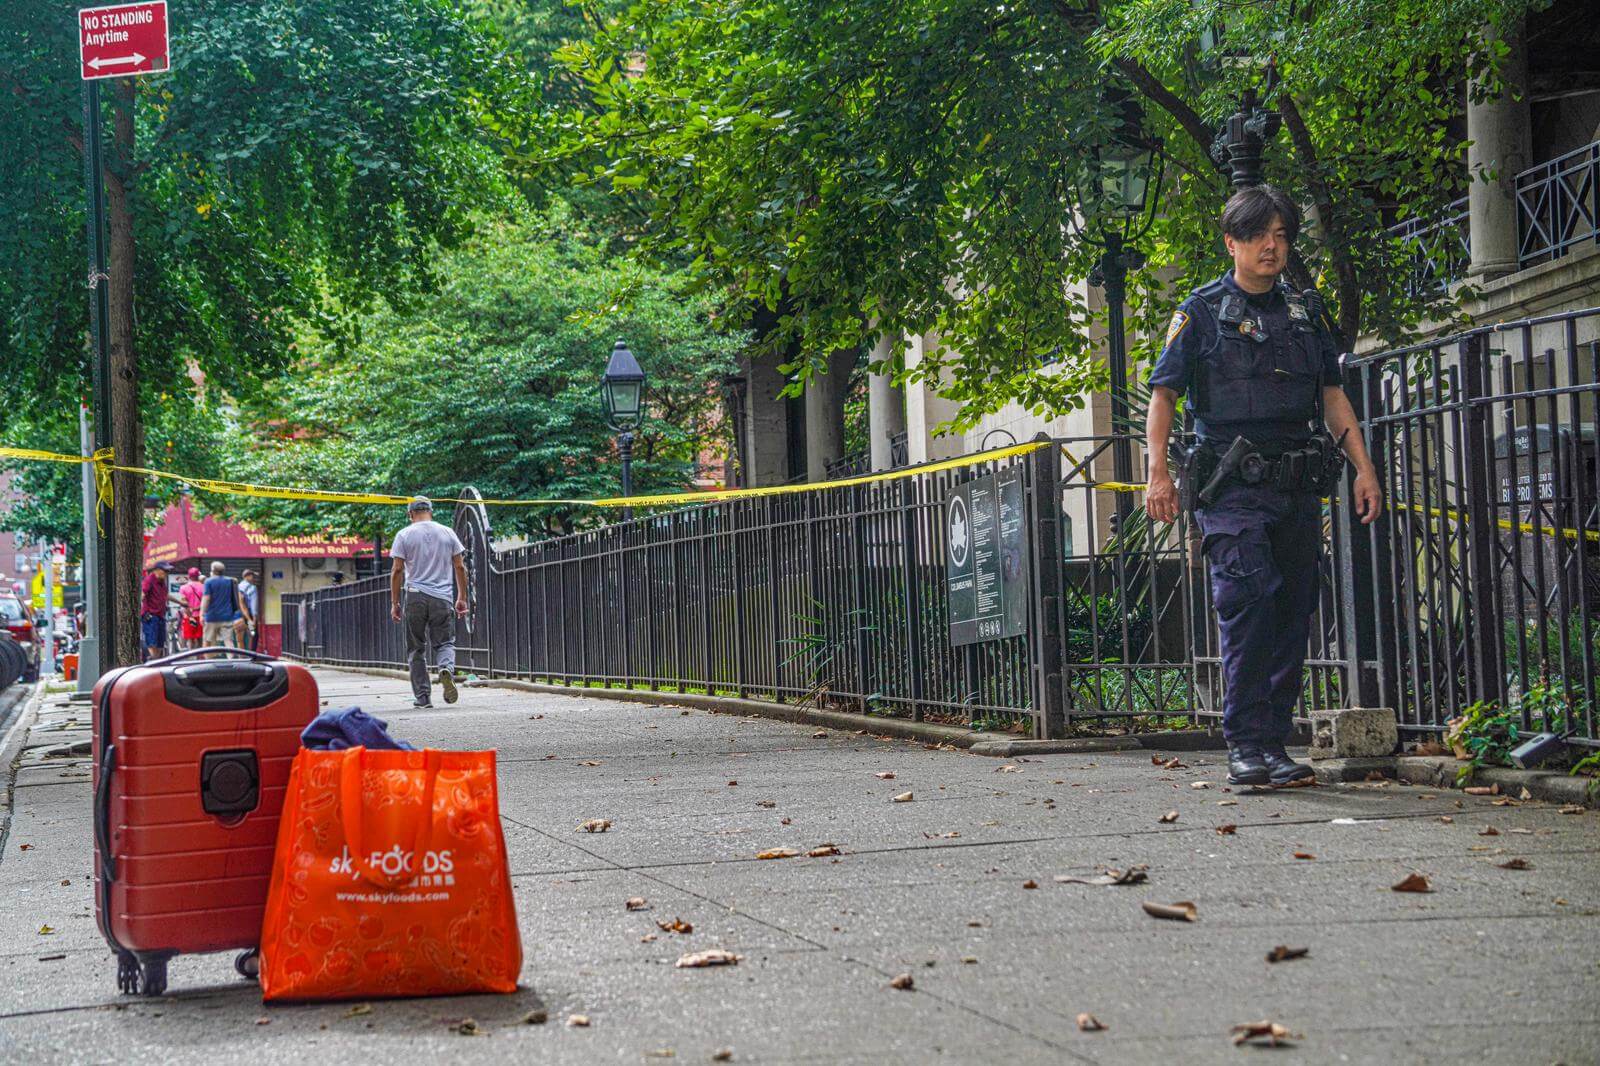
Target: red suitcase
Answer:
[[191, 761]]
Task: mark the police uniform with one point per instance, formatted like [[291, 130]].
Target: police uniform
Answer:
[[1253, 365]]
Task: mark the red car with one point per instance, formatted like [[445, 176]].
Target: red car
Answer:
[[16, 618]]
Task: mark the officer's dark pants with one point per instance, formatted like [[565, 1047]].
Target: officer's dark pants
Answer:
[[1263, 548]]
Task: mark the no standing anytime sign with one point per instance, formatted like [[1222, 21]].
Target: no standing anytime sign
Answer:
[[123, 39]]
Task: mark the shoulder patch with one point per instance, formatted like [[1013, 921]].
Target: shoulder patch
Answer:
[[1175, 327]]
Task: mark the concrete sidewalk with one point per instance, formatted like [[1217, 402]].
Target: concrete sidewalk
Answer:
[[1494, 965]]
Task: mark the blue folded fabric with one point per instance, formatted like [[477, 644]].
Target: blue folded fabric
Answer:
[[350, 728]]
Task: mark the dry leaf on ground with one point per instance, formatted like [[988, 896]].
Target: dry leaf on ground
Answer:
[[1182, 911], [1227, 803], [648, 938], [1488, 831], [1304, 855], [1199, 784], [732, 783], [1482, 790], [468, 1027], [46, 930], [1504, 801], [1133, 875], [709, 957], [1270, 1032], [1515, 864], [578, 1021], [1413, 883], [903, 982], [768, 804], [1170, 816], [1571, 808], [358, 1010], [819, 734], [1227, 830], [677, 925], [1030, 883], [590, 762], [596, 825], [904, 797], [1283, 953], [722, 1054], [822, 851], [884, 775], [536, 1016], [1009, 770], [636, 903], [777, 853], [1524, 795], [1446, 819], [1174, 764], [1088, 1023]]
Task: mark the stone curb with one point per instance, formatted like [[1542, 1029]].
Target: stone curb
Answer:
[[11, 745], [1440, 772]]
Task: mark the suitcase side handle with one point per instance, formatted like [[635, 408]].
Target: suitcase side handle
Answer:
[[102, 820]]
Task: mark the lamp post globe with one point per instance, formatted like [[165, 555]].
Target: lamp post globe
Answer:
[[623, 392]]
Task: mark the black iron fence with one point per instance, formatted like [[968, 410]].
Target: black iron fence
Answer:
[[1481, 582]]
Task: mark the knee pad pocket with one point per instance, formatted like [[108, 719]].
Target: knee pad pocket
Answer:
[[1242, 570]]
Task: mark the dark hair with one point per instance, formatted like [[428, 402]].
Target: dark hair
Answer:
[[1250, 211]]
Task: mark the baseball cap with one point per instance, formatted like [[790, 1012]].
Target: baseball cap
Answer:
[[164, 566], [194, 571], [419, 503]]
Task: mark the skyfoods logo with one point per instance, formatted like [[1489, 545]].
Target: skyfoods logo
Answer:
[[394, 862]]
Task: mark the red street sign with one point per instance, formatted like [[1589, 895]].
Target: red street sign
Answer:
[[123, 39]]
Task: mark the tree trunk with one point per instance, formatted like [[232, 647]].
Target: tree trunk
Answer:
[[127, 435]]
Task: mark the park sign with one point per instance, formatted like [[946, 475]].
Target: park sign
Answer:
[[123, 39], [986, 558]]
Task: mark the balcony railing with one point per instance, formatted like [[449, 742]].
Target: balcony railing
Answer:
[[1558, 209], [852, 465]]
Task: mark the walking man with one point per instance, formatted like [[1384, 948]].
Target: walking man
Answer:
[[250, 597], [1261, 378], [220, 608], [427, 590], [154, 594]]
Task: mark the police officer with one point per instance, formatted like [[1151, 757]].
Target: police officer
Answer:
[[1255, 362]]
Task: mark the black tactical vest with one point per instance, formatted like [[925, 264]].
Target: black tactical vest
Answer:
[[1262, 365]]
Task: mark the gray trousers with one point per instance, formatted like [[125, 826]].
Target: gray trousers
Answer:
[[429, 620]]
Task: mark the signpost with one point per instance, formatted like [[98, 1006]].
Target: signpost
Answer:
[[986, 558], [123, 39]]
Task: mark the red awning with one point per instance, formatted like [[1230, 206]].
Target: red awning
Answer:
[[183, 535]]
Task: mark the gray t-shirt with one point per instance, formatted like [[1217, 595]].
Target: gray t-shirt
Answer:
[[428, 549]]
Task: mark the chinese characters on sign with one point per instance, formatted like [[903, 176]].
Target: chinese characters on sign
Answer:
[[986, 558], [123, 39]]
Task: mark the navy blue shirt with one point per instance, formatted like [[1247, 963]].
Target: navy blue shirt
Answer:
[[223, 607], [1193, 333]]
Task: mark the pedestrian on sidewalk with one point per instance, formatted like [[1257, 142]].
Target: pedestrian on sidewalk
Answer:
[[220, 607], [250, 598], [427, 590], [1261, 373], [190, 629], [154, 595]]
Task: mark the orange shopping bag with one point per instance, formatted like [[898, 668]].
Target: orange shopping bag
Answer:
[[390, 879]]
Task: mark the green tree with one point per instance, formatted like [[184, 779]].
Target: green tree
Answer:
[[493, 381], [919, 165], [302, 158]]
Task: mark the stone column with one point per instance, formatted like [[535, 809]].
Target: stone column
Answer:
[[766, 422], [825, 395], [1501, 148], [926, 410], [886, 409]]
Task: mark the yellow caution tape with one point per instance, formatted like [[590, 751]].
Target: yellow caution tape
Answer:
[[104, 467]]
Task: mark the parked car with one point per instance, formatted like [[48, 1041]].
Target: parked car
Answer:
[[16, 618]]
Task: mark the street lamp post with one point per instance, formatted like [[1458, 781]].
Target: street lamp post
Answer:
[[623, 391]]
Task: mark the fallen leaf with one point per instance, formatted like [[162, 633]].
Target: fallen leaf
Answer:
[[358, 1010], [66, 881], [819, 734], [1515, 864], [903, 982], [769, 804], [1273, 1033], [1524, 794], [46, 930], [468, 1027], [1446, 819], [537, 1016], [1156, 760], [777, 853], [1182, 911], [1521, 831], [648, 938], [904, 797], [1227, 830], [822, 851], [722, 1054], [1571, 808], [1088, 1023], [1030, 883], [732, 783], [1170, 764], [785, 821], [1283, 953], [1009, 770], [24, 847], [1227, 803], [596, 825], [677, 925], [1504, 801], [590, 762], [971, 960], [1133, 875], [1488, 831], [1199, 784], [263, 1021], [581, 1021], [636, 903], [709, 957], [661, 1053], [1304, 855], [1170, 816], [884, 775], [1413, 883]]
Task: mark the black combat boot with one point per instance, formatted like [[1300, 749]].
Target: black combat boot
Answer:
[[1284, 771], [1246, 766]]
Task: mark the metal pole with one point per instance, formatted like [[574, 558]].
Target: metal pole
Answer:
[[99, 558], [1114, 277], [89, 639], [47, 639], [625, 451]]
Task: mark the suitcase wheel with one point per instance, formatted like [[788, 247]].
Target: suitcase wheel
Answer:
[[248, 964], [142, 973]]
